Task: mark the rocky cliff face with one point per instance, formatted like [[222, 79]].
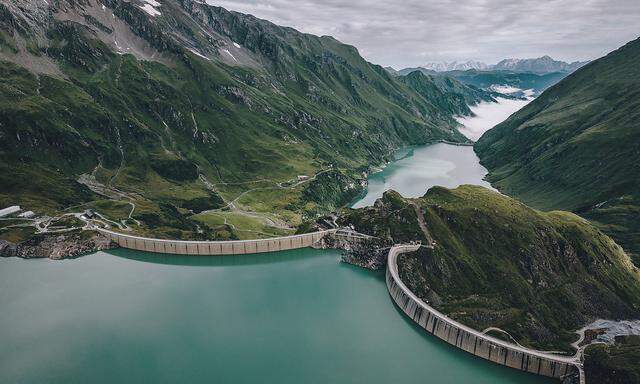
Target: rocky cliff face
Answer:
[[57, 246], [365, 253]]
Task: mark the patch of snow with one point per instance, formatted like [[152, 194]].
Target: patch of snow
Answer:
[[599, 205], [488, 115], [455, 66], [236, 45], [150, 7], [150, 10], [528, 93], [199, 54], [230, 54], [119, 50]]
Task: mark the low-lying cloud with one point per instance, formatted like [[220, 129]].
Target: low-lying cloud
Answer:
[[405, 33], [488, 115]]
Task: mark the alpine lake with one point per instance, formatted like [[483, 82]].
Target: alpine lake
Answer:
[[297, 316]]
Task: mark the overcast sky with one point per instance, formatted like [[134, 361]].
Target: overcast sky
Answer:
[[404, 33]]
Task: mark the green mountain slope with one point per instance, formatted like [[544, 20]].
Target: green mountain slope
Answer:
[[447, 93], [190, 109], [577, 147], [498, 263]]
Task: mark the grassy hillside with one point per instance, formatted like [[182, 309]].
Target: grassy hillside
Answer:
[[195, 109], [447, 93], [577, 147], [498, 263]]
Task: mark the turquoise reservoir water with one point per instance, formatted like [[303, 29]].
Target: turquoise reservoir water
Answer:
[[420, 168], [290, 317]]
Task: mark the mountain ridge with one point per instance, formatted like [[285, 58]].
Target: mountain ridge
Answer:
[[454, 66], [540, 65], [490, 79], [576, 147], [198, 116]]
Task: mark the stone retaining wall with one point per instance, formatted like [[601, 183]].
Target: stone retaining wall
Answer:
[[466, 338], [233, 247]]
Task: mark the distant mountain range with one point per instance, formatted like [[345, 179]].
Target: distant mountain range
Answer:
[[523, 74], [544, 64], [540, 65], [493, 80], [455, 66]]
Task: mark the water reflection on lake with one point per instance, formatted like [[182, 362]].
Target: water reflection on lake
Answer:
[[420, 168]]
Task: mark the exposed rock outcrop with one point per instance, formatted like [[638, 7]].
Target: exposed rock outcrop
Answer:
[[57, 246], [366, 253]]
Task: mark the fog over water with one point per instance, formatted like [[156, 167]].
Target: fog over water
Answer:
[[417, 169], [487, 115]]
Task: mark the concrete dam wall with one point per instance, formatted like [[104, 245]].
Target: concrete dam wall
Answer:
[[466, 338], [233, 247], [431, 320]]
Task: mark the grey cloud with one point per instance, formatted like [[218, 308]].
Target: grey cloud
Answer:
[[412, 32]]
